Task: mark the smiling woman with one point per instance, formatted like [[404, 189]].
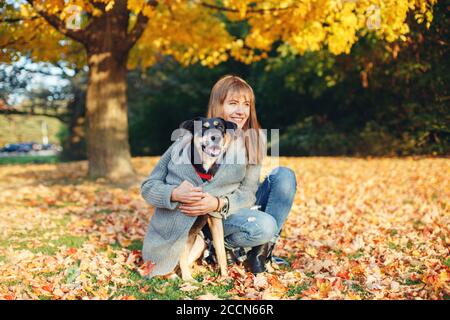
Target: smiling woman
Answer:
[[172, 187], [236, 108], [234, 100], [252, 231]]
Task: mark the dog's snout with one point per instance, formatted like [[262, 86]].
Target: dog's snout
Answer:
[[216, 138]]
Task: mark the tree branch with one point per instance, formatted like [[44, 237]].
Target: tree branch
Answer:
[[141, 23], [58, 24], [99, 5], [14, 20], [62, 117], [17, 41], [250, 10], [137, 31]]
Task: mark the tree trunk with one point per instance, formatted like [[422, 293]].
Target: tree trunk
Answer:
[[108, 148], [107, 44], [74, 147]]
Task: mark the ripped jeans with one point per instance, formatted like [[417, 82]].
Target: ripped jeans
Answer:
[[249, 228]]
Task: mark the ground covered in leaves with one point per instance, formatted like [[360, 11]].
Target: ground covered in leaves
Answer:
[[359, 229]]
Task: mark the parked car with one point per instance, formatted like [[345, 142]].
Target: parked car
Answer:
[[11, 147], [29, 146]]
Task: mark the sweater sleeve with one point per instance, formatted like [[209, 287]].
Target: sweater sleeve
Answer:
[[245, 195], [154, 189]]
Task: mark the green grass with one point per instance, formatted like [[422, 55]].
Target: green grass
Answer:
[[410, 282], [355, 256], [105, 211], [447, 262], [64, 204], [72, 273], [4, 243], [29, 159], [359, 289], [53, 246], [155, 288], [10, 283], [393, 232], [295, 290], [393, 246], [417, 269], [20, 128], [70, 241], [409, 244], [136, 245]]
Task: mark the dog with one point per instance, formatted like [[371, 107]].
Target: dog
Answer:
[[207, 146]]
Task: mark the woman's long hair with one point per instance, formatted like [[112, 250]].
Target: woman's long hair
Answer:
[[255, 140]]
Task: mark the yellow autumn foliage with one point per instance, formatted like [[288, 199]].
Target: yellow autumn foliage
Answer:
[[193, 31]]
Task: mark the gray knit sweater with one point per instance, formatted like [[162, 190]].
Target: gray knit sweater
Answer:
[[168, 228]]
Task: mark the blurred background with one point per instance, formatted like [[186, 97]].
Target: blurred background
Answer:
[[381, 99], [359, 91]]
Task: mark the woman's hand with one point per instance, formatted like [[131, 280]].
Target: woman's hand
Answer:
[[206, 205], [187, 193]]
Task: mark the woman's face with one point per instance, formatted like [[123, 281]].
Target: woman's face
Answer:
[[236, 108]]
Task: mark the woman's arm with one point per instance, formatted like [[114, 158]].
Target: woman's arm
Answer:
[[245, 195], [154, 189]]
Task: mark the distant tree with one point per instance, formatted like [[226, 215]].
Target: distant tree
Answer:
[[65, 102], [109, 35]]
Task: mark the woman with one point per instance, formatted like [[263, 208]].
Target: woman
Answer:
[[257, 230]]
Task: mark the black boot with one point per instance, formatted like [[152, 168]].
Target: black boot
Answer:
[[233, 255], [258, 256], [231, 259]]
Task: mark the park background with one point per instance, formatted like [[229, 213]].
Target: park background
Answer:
[[363, 118]]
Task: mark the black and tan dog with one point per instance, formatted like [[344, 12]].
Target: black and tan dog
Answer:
[[208, 145]]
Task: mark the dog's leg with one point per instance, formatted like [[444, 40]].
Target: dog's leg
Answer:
[[216, 227], [185, 267], [197, 249], [185, 263]]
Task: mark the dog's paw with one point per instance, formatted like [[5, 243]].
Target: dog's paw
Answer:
[[223, 278], [172, 276]]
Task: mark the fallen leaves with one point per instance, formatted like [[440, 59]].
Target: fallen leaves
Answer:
[[188, 287], [146, 268], [358, 229], [208, 296]]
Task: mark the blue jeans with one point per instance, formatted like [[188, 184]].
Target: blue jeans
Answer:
[[249, 227]]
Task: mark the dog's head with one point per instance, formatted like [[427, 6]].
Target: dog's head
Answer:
[[210, 135]]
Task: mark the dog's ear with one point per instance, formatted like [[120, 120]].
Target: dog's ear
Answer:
[[189, 124], [230, 125]]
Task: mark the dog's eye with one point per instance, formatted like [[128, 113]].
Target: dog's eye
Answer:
[[206, 124], [216, 122]]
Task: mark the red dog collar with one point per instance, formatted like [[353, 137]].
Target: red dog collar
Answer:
[[202, 175]]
